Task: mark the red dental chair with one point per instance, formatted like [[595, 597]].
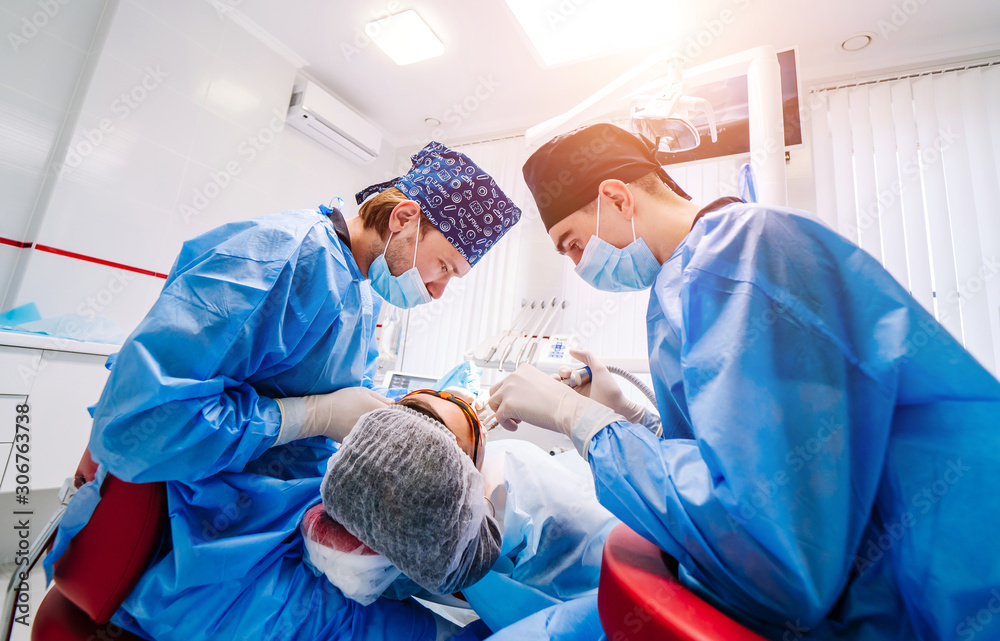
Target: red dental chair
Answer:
[[640, 598], [102, 564]]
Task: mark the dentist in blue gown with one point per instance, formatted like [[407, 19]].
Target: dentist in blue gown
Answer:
[[258, 352], [830, 455]]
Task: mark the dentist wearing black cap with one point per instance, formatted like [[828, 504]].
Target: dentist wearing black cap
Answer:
[[808, 407]]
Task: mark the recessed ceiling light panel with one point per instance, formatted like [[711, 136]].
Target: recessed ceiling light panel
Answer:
[[572, 31], [405, 38]]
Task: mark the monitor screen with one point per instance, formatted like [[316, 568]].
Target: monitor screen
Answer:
[[407, 381]]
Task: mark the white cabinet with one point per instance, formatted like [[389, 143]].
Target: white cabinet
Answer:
[[58, 379], [65, 386], [17, 369], [8, 462]]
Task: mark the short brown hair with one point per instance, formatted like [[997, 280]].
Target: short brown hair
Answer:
[[650, 183], [375, 212], [653, 185]]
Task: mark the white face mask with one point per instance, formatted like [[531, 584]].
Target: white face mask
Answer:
[[617, 270], [406, 290]]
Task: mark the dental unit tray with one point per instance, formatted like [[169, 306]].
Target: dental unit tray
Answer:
[[527, 340]]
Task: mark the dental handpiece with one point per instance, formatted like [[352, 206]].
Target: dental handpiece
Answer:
[[578, 377]]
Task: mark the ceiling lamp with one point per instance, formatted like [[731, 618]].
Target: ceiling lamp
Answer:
[[405, 38]]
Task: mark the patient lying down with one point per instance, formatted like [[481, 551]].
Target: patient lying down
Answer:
[[410, 507], [404, 484]]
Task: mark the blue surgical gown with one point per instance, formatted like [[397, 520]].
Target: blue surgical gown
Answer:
[[831, 454], [251, 311]]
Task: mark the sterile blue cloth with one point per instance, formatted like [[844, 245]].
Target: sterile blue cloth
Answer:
[[21, 314], [575, 620], [831, 454], [251, 311], [466, 375], [553, 533]]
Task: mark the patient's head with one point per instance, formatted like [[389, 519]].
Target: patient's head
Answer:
[[454, 413], [403, 487]]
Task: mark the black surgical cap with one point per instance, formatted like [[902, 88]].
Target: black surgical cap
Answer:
[[565, 173]]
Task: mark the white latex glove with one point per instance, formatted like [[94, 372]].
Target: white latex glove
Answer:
[[331, 415], [462, 393], [530, 395], [479, 403], [602, 387]]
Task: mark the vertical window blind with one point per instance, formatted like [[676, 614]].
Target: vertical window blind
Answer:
[[909, 168]]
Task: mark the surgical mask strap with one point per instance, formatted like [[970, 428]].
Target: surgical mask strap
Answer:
[[633, 219], [415, 241], [597, 233], [384, 249]]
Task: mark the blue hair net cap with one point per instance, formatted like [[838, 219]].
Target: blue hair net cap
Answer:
[[460, 199]]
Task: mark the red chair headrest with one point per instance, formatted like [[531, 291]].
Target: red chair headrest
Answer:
[[640, 598], [319, 527], [106, 559]]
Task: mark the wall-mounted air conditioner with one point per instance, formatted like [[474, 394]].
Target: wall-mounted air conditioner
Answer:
[[333, 124]]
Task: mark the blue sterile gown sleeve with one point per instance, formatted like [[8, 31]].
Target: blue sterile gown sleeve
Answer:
[[831, 454], [251, 311]]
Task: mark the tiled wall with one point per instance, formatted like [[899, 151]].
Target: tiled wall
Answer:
[[180, 129]]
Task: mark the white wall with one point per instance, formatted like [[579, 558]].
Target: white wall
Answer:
[[42, 60], [180, 129]]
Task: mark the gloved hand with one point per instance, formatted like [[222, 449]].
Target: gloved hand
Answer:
[[602, 387], [462, 393], [331, 415], [479, 403], [530, 395]]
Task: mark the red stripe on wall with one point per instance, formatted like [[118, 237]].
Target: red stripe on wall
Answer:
[[14, 243], [99, 261]]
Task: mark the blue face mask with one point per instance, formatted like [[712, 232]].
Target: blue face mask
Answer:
[[617, 270], [406, 290]]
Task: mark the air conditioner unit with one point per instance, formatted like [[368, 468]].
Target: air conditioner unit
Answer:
[[333, 124]]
